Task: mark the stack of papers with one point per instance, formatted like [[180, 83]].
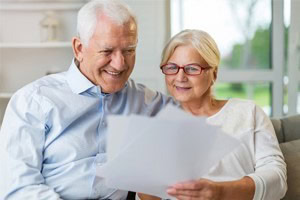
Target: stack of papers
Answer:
[[149, 154]]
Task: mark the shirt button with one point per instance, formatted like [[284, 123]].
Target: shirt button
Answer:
[[103, 124]]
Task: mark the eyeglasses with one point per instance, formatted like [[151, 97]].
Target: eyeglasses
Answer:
[[189, 69]]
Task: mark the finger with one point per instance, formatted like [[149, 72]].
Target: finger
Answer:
[[171, 191], [190, 185], [190, 193]]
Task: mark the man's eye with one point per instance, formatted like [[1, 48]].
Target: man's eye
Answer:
[[106, 52], [129, 51]]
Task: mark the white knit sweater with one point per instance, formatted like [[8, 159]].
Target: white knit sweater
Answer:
[[259, 156]]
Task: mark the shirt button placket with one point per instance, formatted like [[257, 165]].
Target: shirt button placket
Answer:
[[102, 123]]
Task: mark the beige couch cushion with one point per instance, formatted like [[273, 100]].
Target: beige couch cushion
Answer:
[[291, 152]]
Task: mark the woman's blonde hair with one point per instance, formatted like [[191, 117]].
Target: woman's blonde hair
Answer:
[[200, 40]]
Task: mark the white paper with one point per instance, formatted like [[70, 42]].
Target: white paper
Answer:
[[172, 112], [121, 133], [149, 154]]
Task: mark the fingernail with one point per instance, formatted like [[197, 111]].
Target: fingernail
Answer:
[[177, 185], [171, 191]]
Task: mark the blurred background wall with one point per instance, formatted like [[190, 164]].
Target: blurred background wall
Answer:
[[259, 42]]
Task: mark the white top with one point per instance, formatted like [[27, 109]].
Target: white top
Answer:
[[259, 156]]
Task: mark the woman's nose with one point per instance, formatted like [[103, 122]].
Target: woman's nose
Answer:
[[181, 75]]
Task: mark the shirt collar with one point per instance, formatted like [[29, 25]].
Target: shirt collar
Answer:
[[78, 82]]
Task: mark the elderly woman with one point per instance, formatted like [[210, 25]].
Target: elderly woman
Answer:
[[257, 169]]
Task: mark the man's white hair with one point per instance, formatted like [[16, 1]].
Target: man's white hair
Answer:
[[116, 10]]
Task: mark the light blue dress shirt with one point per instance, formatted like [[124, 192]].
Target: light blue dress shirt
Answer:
[[53, 136]]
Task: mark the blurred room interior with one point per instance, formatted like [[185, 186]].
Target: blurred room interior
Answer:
[[259, 42]]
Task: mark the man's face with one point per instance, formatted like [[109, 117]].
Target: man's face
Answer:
[[109, 58]]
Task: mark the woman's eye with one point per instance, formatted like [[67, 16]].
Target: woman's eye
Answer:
[[191, 68], [171, 67]]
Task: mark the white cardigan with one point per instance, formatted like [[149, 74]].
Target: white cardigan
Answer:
[[259, 156]]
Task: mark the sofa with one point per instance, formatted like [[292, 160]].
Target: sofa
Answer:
[[288, 134]]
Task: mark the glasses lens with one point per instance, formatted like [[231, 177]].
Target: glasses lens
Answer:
[[170, 69], [192, 69]]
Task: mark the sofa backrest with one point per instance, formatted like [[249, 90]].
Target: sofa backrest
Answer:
[[287, 128]]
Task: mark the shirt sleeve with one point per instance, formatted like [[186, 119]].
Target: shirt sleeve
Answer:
[[22, 139], [156, 101], [270, 169]]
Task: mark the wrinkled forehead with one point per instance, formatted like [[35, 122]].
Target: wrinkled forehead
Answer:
[[109, 28], [106, 20], [111, 36]]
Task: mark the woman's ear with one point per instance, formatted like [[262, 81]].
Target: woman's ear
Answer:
[[215, 73], [77, 47]]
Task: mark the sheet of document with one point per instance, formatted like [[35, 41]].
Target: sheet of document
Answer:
[[149, 154]]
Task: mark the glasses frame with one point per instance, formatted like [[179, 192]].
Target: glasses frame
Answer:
[[183, 68]]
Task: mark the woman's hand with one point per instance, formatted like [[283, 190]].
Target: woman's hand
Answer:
[[199, 189], [204, 189]]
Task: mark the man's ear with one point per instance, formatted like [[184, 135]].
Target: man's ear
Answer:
[[77, 47]]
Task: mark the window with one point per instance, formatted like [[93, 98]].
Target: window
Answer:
[[250, 36], [293, 59]]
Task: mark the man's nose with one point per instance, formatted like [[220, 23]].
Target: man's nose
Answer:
[[118, 61]]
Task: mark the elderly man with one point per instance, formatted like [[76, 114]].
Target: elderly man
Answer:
[[54, 129]]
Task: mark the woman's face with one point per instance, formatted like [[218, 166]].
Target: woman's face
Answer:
[[186, 88]]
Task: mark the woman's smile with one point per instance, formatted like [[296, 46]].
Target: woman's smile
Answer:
[[182, 89]]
